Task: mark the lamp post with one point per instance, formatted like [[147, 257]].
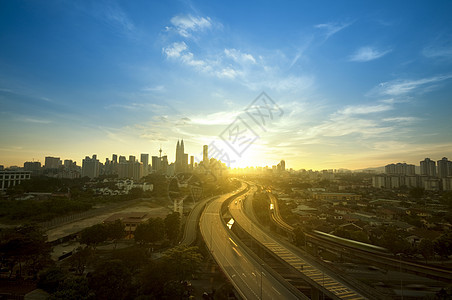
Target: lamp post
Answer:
[[401, 275], [262, 274]]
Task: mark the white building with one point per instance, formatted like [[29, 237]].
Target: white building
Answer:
[[11, 178]]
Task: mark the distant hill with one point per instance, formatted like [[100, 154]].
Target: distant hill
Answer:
[[382, 170], [376, 170]]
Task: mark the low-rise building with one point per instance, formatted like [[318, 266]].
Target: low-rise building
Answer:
[[12, 178]]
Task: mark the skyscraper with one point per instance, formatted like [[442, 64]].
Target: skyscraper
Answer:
[[428, 167], [90, 167], [145, 159], [205, 154], [444, 168], [156, 162], [114, 158], [52, 162], [181, 162]]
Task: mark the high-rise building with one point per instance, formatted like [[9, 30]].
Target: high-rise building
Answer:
[[428, 167], [283, 165], [192, 162], [122, 159], [444, 167], [205, 154], [181, 163], [90, 167], [52, 162], [114, 158], [400, 168], [144, 159], [132, 158], [156, 163], [32, 166]]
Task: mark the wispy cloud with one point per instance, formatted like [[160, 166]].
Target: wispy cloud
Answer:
[[117, 17], [403, 87], [365, 109], [157, 88], [401, 119], [239, 57], [332, 28], [188, 24], [365, 54], [33, 120], [438, 52]]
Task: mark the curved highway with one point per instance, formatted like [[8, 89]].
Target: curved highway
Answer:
[[191, 224], [310, 272], [250, 279]]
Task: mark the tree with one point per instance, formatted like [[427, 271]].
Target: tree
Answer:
[[183, 260], [133, 258], [150, 232], [300, 237], [416, 193], [426, 248], [116, 231], [394, 242], [25, 246], [73, 288], [443, 245], [153, 279], [94, 235], [81, 259], [50, 279], [172, 226], [111, 280]]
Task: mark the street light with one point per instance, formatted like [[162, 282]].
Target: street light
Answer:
[[262, 274], [401, 277]]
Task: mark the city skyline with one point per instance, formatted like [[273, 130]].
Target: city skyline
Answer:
[[360, 85]]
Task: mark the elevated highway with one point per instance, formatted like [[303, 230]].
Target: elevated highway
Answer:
[[250, 278], [312, 273]]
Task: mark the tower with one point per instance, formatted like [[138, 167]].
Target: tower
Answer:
[[205, 155]]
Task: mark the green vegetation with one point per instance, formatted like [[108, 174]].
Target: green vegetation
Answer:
[[127, 273], [261, 206], [25, 211], [24, 250], [68, 196]]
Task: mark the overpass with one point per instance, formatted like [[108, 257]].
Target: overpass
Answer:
[[250, 277]]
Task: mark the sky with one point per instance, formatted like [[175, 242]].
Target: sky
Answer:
[[336, 84]]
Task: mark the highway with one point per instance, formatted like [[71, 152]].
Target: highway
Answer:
[[191, 224], [311, 272], [249, 277]]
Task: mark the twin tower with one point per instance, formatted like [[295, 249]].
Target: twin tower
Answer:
[[181, 164]]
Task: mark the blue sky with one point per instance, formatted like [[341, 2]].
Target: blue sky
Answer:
[[360, 83]]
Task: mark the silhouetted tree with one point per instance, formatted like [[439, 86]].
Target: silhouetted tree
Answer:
[[82, 258], [172, 226], [426, 248], [134, 258], [443, 245], [94, 235], [111, 280], [150, 232], [183, 260], [24, 246], [300, 237], [115, 231], [50, 279], [417, 193], [73, 288]]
